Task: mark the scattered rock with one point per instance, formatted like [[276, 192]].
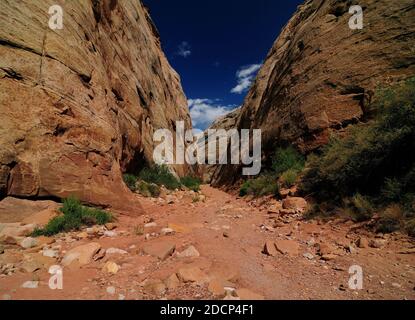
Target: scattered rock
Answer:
[[110, 234], [192, 274], [150, 225], [167, 231], [30, 285], [111, 267], [217, 288], [396, 285], [328, 257], [50, 253], [287, 247], [295, 203], [377, 243], [28, 243], [156, 287], [110, 226], [116, 251], [172, 282], [190, 252], [308, 256], [270, 249], [111, 290], [161, 250], [362, 243], [246, 294], [81, 255]]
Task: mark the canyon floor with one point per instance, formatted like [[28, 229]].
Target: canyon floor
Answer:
[[211, 249]]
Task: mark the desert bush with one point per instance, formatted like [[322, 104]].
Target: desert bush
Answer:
[[359, 208], [289, 177], [263, 185], [148, 189], [410, 227], [75, 215], [287, 159], [161, 176], [390, 220], [371, 152], [192, 183], [130, 180]]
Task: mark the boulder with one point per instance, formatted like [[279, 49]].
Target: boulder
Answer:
[[295, 203], [160, 249], [192, 274], [81, 255], [287, 247]]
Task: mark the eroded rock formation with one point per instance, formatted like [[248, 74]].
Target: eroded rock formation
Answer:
[[79, 105], [320, 75]]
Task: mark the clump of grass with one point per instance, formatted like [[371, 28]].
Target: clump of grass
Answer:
[[286, 159], [191, 183], [287, 165], [390, 220], [410, 227], [359, 208], [131, 181], [139, 230], [75, 215], [161, 176], [262, 186], [148, 189], [289, 177]]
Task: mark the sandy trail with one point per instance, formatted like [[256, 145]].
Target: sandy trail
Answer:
[[229, 233]]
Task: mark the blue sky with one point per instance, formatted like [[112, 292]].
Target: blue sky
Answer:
[[217, 47]]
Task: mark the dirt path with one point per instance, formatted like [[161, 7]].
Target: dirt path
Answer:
[[229, 236]]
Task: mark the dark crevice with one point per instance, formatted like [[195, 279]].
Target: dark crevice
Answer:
[[59, 131], [96, 8], [143, 101], [117, 95], [10, 73]]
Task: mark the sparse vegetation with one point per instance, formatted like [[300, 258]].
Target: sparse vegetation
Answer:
[[161, 176], [75, 215], [287, 164], [263, 185], [287, 159], [191, 183], [130, 180], [148, 189], [375, 159]]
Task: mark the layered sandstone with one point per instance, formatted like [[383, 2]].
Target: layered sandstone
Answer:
[[320, 75], [79, 105]]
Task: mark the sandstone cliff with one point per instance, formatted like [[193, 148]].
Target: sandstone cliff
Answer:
[[79, 105], [320, 75]]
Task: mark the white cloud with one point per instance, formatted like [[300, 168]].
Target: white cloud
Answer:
[[184, 49], [245, 76], [205, 111]]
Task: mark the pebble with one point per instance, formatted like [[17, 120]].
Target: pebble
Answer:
[[110, 234], [308, 256], [111, 290], [30, 284]]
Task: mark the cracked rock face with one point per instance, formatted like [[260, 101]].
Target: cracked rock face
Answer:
[[79, 105], [320, 75]]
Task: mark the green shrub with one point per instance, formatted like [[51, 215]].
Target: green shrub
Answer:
[[130, 180], [410, 227], [289, 177], [192, 183], [370, 152], [148, 189], [262, 186], [160, 175], [390, 220], [359, 208], [287, 159], [75, 215], [392, 189]]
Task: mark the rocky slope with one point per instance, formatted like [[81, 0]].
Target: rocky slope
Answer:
[[79, 105], [320, 75]]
